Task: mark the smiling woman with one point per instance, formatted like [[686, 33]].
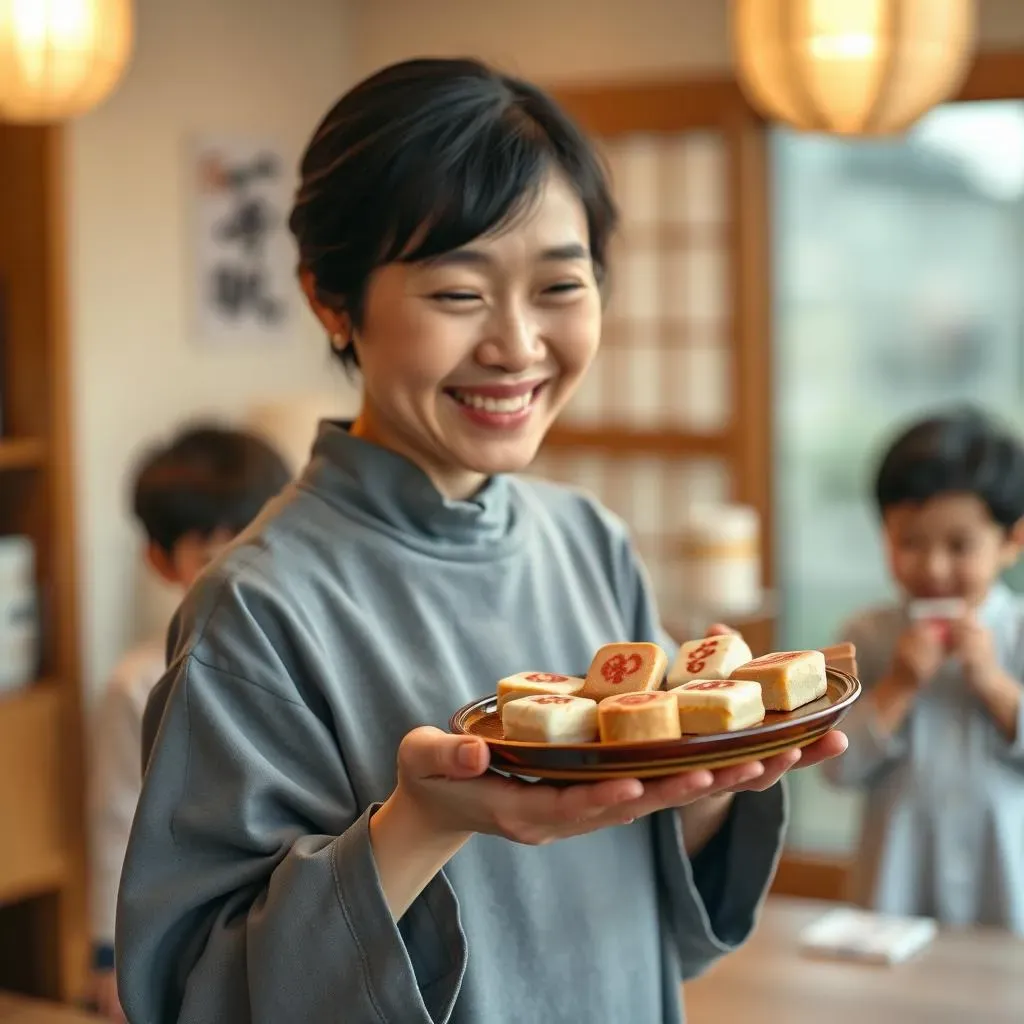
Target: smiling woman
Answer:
[[309, 842], [457, 261], [467, 358]]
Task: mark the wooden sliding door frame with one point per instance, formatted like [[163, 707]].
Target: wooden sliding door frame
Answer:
[[676, 107]]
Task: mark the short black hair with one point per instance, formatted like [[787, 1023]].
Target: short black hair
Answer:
[[207, 478], [958, 452], [424, 156]]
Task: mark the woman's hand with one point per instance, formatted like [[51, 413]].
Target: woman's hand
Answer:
[[445, 779], [444, 795], [442, 782]]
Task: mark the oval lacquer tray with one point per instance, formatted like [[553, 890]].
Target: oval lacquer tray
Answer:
[[591, 762]]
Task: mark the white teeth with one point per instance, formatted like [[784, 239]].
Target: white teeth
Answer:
[[488, 404]]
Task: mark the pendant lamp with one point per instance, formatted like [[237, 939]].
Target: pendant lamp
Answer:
[[851, 67], [60, 58]]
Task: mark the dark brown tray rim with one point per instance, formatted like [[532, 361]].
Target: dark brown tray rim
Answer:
[[688, 745]]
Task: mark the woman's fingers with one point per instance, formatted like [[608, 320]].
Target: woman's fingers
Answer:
[[574, 810], [675, 791], [832, 744], [534, 813], [427, 753], [773, 768], [721, 629], [575, 803], [671, 791]]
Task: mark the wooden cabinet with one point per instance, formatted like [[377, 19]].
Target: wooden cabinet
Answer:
[[42, 934]]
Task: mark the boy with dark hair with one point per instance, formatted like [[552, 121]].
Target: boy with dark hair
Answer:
[[191, 497], [937, 742]]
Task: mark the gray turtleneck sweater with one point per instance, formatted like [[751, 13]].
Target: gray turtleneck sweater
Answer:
[[359, 606]]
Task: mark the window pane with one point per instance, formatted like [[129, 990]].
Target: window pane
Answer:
[[897, 268]]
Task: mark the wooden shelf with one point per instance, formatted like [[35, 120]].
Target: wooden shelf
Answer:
[[40, 878], [43, 921], [627, 441], [44, 691], [33, 857], [21, 453]]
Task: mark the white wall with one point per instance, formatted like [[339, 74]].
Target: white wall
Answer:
[[561, 40], [553, 40], [268, 68]]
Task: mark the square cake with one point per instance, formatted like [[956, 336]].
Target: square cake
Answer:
[[625, 668], [636, 717], [709, 706], [550, 718], [528, 684], [789, 679], [714, 657]]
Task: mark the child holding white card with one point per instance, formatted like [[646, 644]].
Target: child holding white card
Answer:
[[937, 742]]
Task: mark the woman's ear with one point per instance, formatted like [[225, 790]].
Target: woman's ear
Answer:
[[337, 324], [161, 562]]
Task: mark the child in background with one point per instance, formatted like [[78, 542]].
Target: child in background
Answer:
[[937, 742], [190, 497]]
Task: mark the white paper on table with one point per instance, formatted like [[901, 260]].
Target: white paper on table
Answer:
[[851, 934]]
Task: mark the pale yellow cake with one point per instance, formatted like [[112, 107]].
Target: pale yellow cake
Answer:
[[528, 684], [714, 657], [550, 718], [789, 679], [709, 706], [636, 717]]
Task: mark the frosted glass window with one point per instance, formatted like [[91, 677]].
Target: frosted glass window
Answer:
[[700, 381], [587, 405], [637, 285], [705, 280], [649, 510], [694, 481], [639, 381], [696, 180], [635, 170]]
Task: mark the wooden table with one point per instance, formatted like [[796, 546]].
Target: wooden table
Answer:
[[21, 1010], [969, 977]]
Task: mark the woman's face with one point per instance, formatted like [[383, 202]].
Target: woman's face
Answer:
[[467, 358]]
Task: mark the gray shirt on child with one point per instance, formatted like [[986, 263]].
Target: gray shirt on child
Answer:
[[943, 828], [359, 606]]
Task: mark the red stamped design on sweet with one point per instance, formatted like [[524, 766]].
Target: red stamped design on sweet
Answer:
[[712, 684], [698, 657], [619, 667], [552, 698], [546, 677], [776, 659], [631, 699]]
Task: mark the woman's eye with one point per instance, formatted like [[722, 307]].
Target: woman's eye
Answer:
[[563, 288]]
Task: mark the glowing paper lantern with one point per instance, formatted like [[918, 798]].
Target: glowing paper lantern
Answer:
[[852, 67], [60, 58]]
